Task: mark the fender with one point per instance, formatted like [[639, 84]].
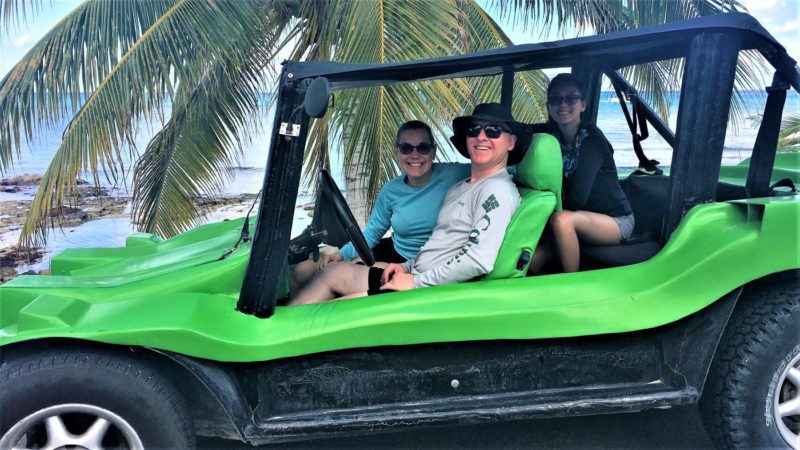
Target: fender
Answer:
[[222, 387]]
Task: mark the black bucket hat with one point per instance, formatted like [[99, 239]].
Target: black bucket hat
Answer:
[[492, 112]]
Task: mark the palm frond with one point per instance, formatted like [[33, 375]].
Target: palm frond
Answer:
[[528, 103], [73, 58], [655, 81], [387, 31], [175, 48], [16, 12], [192, 155], [790, 134], [602, 16]]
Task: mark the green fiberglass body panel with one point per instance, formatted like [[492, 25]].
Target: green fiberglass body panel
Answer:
[[787, 165], [188, 306]]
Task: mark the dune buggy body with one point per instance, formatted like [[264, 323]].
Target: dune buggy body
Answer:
[[190, 325]]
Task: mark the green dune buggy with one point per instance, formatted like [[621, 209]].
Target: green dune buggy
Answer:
[[152, 344]]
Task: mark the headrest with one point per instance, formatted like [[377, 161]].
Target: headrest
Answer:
[[541, 168]]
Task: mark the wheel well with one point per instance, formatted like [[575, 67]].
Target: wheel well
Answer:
[[210, 417], [759, 332], [750, 294], [786, 276]]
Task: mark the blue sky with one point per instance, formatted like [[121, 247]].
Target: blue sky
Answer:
[[779, 17]]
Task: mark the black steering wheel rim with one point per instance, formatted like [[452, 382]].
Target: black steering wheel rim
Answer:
[[344, 216]]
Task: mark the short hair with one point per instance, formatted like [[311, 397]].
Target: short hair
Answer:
[[414, 125], [565, 79]]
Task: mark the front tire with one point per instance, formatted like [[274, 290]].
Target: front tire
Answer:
[[752, 394], [89, 399]]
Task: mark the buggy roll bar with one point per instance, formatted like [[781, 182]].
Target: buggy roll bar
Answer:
[[710, 44]]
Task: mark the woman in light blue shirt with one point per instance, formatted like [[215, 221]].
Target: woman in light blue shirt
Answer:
[[408, 204]]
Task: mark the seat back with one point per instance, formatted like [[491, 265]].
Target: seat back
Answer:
[[539, 183]]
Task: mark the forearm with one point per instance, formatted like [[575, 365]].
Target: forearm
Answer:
[[459, 269]]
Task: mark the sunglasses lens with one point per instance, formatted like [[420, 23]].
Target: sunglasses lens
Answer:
[[570, 100], [406, 149], [424, 149], [492, 131], [474, 130]]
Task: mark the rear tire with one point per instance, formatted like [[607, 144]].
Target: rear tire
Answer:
[[752, 395], [89, 399]]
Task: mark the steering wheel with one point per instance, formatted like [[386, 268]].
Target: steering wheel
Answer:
[[333, 217]]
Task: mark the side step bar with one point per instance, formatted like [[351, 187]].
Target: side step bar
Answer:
[[572, 402]]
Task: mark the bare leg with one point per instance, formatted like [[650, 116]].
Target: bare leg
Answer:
[[338, 278], [301, 275], [354, 295], [541, 256], [591, 227]]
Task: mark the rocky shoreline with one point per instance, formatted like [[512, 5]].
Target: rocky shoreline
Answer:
[[87, 203]]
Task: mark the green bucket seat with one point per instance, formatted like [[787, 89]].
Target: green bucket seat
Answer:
[[539, 185]]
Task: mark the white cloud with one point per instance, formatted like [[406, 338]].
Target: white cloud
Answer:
[[21, 41], [785, 28], [759, 5]]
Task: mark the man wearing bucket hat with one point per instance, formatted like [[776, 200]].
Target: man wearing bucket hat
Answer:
[[471, 224]]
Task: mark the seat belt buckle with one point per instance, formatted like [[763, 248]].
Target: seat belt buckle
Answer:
[[524, 260]]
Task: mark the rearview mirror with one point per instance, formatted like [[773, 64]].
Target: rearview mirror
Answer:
[[316, 99]]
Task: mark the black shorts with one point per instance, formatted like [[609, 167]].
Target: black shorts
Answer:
[[374, 278], [384, 251]]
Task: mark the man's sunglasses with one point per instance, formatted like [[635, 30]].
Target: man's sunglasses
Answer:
[[492, 131], [423, 148], [570, 100]]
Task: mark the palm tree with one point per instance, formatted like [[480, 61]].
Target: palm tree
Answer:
[[789, 140], [213, 58]]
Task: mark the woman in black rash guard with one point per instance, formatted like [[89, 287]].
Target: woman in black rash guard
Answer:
[[596, 210]]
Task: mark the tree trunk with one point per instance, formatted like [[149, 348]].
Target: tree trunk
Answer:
[[355, 179]]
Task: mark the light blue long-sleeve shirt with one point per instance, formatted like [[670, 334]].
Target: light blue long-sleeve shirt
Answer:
[[410, 212]]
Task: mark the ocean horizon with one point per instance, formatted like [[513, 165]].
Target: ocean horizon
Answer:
[[247, 175]]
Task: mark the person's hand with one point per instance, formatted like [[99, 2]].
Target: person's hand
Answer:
[[328, 255], [399, 282], [390, 271]]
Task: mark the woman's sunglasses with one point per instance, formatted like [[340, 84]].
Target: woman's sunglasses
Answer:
[[423, 148], [492, 131], [570, 100]]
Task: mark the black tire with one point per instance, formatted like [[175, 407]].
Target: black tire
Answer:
[[748, 376], [80, 386]]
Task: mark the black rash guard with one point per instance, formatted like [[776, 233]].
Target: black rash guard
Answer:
[[591, 182]]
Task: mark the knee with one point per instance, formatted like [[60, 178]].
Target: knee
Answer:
[[303, 270], [334, 270], [562, 220]]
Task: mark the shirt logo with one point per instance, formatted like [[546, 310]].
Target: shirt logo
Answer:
[[490, 203]]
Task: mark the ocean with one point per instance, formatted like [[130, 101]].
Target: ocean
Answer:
[[247, 176]]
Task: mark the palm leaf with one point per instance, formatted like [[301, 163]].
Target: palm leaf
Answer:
[[528, 102], [790, 134], [17, 11], [175, 47], [387, 31], [74, 57], [655, 80], [192, 155]]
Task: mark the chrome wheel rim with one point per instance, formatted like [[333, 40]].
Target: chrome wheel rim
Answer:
[[786, 403], [74, 426]]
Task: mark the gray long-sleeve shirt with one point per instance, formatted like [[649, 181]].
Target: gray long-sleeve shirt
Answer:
[[468, 233]]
